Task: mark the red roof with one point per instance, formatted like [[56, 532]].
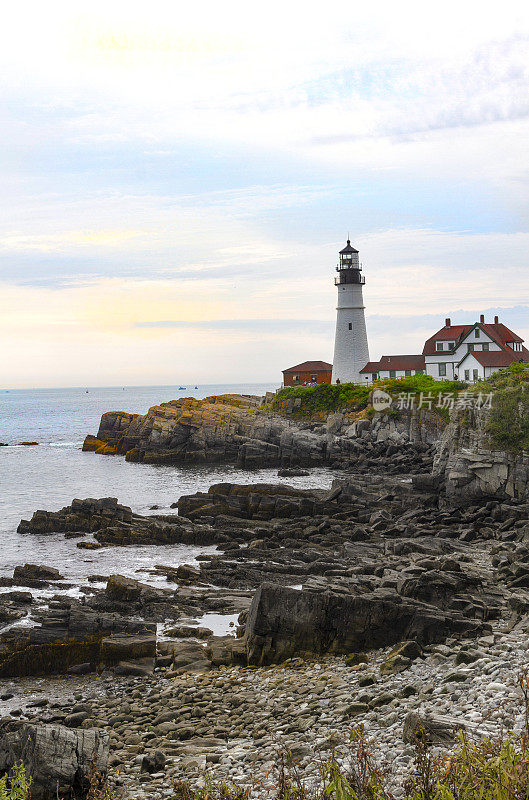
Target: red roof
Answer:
[[310, 366], [497, 358], [371, 366], [497, 331], [395, 362], [500, 333], [448, 333]]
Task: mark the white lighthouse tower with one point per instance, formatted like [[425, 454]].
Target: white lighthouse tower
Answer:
[[351, 350]]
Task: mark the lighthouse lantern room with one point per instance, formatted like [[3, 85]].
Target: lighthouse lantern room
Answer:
[[351, 350]]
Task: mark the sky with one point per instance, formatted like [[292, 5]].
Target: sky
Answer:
[[177, 179]]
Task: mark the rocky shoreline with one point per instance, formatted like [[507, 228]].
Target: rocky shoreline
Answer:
[[380, 597]]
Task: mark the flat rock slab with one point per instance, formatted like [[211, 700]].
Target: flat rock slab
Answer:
[[283, 623], [126, 648]]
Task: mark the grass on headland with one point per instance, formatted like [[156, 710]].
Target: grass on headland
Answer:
[[352, 397]]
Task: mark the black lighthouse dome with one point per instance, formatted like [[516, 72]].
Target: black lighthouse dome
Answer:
[[349, 267], [348, 249]]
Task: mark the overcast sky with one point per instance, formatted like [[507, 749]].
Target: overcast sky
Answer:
[[177, 179]]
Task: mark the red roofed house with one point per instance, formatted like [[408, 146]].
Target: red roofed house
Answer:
[[464, 352], [393, 367], [472, 352], [313, 372]]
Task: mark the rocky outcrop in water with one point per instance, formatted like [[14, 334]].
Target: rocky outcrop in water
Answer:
[[112, 523], [259, 501], [237, 429]]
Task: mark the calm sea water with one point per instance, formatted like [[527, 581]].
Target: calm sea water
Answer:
[[50, 475]]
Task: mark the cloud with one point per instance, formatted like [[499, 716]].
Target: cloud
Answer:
[[261, 326], [180, 179]]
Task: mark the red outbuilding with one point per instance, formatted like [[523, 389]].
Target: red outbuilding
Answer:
[[309, 373]]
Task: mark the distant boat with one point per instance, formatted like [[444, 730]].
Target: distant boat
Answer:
[[196, 387], [182, 387]]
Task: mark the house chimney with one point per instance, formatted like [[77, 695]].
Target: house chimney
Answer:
[[482, 319], [447, 322], [496, 320]]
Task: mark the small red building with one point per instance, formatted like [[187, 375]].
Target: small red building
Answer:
[[310, 372]]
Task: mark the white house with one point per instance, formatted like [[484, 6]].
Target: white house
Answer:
[[456, 352]]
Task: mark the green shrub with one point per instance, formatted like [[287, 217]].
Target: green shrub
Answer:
[[515, 375], [326, 397], [508, 423], [15, 786]]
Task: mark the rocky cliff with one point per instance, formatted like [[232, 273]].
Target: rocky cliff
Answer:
[[238, 429], [469, 467]]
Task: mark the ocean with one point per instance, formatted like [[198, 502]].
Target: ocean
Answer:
[[50, 475]]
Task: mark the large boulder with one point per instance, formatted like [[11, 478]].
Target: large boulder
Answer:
[[127, 590], [29, 573], [120, 647], [58, 760], [284, 622]]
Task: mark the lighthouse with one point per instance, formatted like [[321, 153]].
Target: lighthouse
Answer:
[[351, 350]]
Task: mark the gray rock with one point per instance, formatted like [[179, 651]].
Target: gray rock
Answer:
[[57, 759], [283, 622]]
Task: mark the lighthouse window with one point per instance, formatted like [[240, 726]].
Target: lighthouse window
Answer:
[[350, 326]]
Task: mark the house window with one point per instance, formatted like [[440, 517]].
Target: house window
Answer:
[[439, 346], [467, 374], [419, 372], [407, 373], [485, 346], [476, 333], [475, 375], [442, 370], [295, 378], [374, 375], [451, 345], [392, 373], [470, 347], [350, 326], [314, 378]]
